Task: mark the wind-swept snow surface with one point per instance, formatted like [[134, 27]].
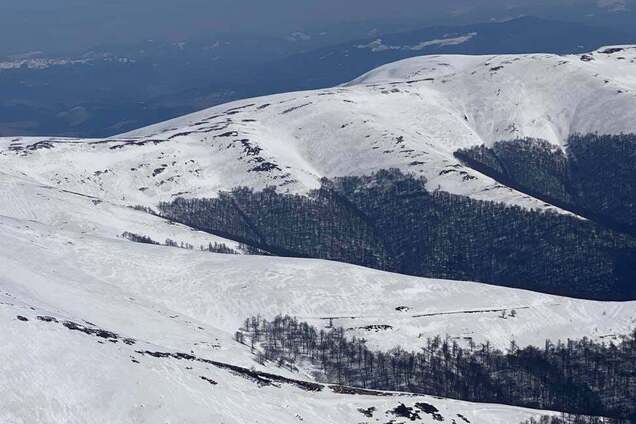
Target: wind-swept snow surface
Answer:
[[97, 330]]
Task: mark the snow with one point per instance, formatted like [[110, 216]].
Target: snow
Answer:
[[164, 300], [68, 377], [174, 300], [87, 215], [379, 46], [64, 204], [539, 95], [411, 115]]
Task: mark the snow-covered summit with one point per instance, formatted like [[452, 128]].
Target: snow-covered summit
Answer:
[[410, 115], [543, 96]]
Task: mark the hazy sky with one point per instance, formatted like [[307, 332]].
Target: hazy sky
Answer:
[[71, 24]]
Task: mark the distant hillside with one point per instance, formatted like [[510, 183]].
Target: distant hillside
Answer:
[[331, 65], [115, 89]]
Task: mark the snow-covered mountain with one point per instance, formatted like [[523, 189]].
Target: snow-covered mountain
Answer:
[[333, 64], [410, 115], [96, 328], [156, 79]]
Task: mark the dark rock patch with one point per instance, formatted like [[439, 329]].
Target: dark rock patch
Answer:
[[261, 378], [228, 134], [463, 418], [249, 148], [265, 167], [234, 109], [47, 319], [209, 380], [612, 50], [104, 334], [368, 412], [374, 327], [429, 409], [404, 411], [346, 390], [291, 109]]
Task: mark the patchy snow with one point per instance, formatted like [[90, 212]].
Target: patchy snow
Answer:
[[36, 61], [410, 115], [379, 46]]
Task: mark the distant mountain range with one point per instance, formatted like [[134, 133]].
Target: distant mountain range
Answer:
[[112, 90], [328, 66]]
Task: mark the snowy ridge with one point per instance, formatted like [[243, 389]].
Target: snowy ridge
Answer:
[[410, 115], [65, 210], [541, 96]]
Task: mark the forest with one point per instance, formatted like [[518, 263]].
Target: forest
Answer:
[[594, 176], [390, 221], [211, 247], [581, 377]]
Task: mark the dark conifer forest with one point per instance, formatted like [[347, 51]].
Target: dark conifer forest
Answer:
[[574, 376]]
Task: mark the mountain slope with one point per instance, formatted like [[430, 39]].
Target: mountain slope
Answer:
[[330, 65], [130, 332], [410, 115], [220, 291], [67, 376], [413, 116], [98, 328]]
